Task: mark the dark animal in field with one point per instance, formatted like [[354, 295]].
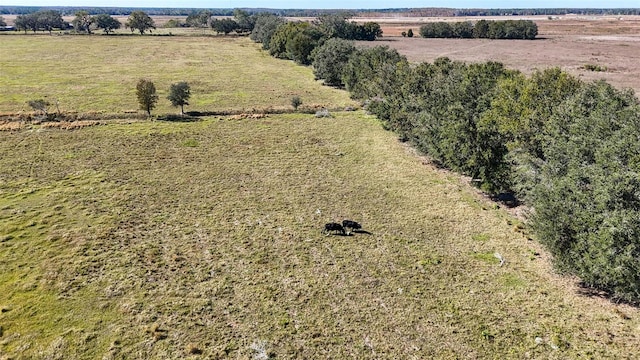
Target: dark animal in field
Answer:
[[348, 224], [332, 227]]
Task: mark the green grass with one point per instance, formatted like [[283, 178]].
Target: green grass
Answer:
[[150, 239], [99, 74]]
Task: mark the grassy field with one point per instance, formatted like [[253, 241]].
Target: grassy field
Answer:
[[171, 240], [161, 240], [99, 74]]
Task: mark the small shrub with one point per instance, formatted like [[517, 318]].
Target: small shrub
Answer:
[[410, 33], [39, 105], [592, 67], [296, 102], [404, 34]]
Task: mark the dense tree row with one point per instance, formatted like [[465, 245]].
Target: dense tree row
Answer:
[[546, 11], [569, 149], [51, 19], [507, 29], [42, 20], [299, 41]]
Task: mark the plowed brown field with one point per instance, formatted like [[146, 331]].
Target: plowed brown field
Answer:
[[568, 42]]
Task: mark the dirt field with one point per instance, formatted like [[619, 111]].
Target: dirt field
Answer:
[[569, 42]]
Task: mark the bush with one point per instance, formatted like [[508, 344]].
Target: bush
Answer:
[[329, 61], [587, 204], [371, 72], [295, 41], [296, 102], [264, 28], [592, 67]]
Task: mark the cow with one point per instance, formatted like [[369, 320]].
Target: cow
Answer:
[[348, 224], [329, 227]]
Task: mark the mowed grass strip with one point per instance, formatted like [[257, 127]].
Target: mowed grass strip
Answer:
[[160, 240], [99, 74]]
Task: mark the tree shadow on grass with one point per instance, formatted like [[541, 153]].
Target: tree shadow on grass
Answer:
[[589, 291], [178, 118], [362, 232]]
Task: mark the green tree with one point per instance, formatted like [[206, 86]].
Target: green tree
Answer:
[[49, 20], [438, 29], [587, 203], [245, 21], [225, 25], [146, 94], [264, 28], [200, 19], [296, 102], [335, 25], [330, 59], [2, 22], [462, 29], [139, 20], [410, 33], [107, 23], [481, 29], [26, 22], [373, 72], [179, 94], [295, 41], [520, 111], [369, 31], [82, 22], [301, 45]]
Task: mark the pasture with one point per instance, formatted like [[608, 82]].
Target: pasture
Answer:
[[204, 239], [99, 74]]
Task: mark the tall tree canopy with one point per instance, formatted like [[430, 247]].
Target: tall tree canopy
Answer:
[[139, 20]]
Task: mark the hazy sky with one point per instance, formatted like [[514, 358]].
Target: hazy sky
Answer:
[[335, 4]]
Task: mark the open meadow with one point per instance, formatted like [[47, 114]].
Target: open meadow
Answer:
[[99, 74], [202, 239]]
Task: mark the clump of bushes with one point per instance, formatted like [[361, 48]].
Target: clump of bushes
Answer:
[[487, 29], [297, 41], [593, 67]]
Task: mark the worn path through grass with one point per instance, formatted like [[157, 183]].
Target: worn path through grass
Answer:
[[160, 240]]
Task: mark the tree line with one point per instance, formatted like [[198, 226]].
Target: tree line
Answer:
[[567, 148], [49, 20], [483, 29]]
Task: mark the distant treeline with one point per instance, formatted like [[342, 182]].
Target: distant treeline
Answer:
[[416, 12], [482, 29]]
